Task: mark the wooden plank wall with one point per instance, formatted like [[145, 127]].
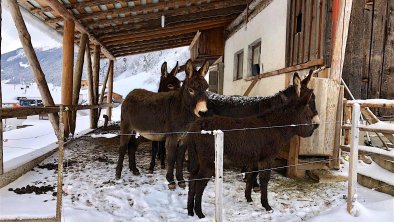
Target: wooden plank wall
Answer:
[[369, 68], [310, 43]]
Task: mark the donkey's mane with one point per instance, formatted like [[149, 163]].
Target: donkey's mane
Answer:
[[220, 100]]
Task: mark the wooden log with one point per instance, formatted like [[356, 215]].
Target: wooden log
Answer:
[[67, 73], [1, 103], [6, 113], [77, 78], [96, 76], [89, 76], [381, 103], [59, 194], [110, 67], [67, 15], [292, 160], [340, 40], [39, 75]]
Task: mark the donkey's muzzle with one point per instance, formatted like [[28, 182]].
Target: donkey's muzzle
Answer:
[[316, 121], [201, 107]]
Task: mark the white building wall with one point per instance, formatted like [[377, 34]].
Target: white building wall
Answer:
[[270, 26]]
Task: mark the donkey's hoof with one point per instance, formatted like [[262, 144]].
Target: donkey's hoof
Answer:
[[270, 211], [182, 184], [249, 200], [172, 186], [200, 215], [163, 166], [150, 171], [136, 172], [117, 176], [190, 213], [256, 189]]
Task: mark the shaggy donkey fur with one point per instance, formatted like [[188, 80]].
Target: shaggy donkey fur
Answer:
[[168, 82], [153, 114], [251, 147]]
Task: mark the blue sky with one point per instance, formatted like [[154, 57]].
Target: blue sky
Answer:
[[10, 38]]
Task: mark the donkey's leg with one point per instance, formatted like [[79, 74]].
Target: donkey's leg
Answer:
[[256, 186], [190, 196], [179, 166], [162, 154], [124, 140], [132, 148], [200, 186], [264, 176], [248, 189], [155, 149], [171, 147]]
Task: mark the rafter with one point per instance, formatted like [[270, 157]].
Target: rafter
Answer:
[[168, 44], [61, 9], [144, 50], [181, 29]]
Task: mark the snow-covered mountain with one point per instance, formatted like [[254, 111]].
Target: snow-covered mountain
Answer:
[[16, 69]]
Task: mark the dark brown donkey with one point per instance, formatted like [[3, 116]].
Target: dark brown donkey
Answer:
[[258, 147], [243, 106], [153, 116], [168, 82]]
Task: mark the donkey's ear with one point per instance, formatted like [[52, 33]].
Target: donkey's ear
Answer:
[[175, 70], [204, 69], [306, 98], [189, 69], [164, 72], [307, 81], [297, 84]]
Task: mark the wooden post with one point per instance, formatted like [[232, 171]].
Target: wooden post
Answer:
[[39, 76], [352, 176], [59, 194], [90, 83], [110, 67], [219, 136], [96, 77], [292, 159], [348, 119], [340, 39], [110, 91], [77, 79], [335, 162], [67, 74]]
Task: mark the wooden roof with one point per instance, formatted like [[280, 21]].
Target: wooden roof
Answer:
[[123, 27]]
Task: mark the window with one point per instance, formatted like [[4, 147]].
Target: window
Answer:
[[254, 58], [238, 65]]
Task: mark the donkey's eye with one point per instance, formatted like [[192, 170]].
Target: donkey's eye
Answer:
[[170, 86], [191, 91]]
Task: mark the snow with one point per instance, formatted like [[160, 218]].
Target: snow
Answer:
[[374, 101], [12, 91], [389, 153], [23, 65], [380, 126], [104, 135], [376, 172]]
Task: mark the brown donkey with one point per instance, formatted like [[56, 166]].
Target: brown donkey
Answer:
[[153, 116], [168, 82], [257, 147]]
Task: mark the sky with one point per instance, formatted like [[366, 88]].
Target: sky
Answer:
[[10, 38]]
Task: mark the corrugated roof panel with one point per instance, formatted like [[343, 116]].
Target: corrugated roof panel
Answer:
[[88, 10], [103, 7]]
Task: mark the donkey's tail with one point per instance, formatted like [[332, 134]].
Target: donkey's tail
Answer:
[[192, 153]]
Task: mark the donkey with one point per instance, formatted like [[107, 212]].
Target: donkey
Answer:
[[152, 116], [257, 147], [168, 82], [243, 106]]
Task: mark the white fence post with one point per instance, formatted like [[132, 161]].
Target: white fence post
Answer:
[[218, 175], [352, 177]]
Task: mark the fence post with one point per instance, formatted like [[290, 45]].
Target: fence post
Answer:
[[60, 165], [218, 175], [352, 177]]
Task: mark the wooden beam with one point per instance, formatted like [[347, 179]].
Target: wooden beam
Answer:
[[77, 78], [147, 45], [89, 76], [39, 75], [222, 8], [1, 101], [155, 10], [250, 87], [195, 39], [110, 91], [154, 41], [67, 73], [96, 77], [103, 88], [310, 64], [181, 29], [62, 10], [340, 40], [149, 49], [7, 113], [241, 17]]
